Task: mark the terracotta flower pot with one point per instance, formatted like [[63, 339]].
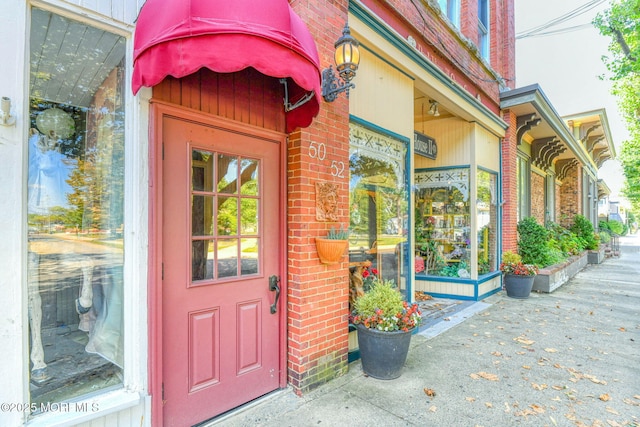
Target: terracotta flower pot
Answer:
[[331, 251]]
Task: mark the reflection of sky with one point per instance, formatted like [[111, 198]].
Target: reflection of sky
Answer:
[[49, 171]]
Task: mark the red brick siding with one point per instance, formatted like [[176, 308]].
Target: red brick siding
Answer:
[[318, 294], [571, 196], [444, 46], [509, 184], [538, 206]]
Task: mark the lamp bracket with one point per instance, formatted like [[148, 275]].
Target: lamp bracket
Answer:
[[331, 86], [287, 105]]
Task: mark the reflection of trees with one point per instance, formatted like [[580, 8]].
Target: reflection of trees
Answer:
[[97, 199]]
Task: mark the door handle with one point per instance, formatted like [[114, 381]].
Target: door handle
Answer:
[[273, 286]]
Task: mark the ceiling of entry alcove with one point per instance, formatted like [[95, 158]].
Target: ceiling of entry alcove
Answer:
[[422, 106], [70, 60]]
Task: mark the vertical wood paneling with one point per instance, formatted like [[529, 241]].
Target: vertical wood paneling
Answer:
[[241, 111], [246, 96], [209, 94], [383, 95], [487, 149], [256, 98], [453, 138], [191, 91]]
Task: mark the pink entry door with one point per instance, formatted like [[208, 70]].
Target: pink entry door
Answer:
[[221, 320]]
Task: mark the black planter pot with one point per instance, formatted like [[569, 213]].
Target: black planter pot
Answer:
[[383, 354], [518, 286]]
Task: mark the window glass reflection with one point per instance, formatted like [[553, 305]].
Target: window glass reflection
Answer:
[[75, 208]]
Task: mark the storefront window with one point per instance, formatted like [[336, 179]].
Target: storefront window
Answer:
[[75, 208], [378, 203], [486, 217], [443, 225]]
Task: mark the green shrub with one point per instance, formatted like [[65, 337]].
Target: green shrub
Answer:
[[604, 237], [616, 227], [532, 242], [583, 229], [564, 240]]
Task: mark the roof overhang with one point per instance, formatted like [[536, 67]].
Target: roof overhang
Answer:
[[553, 145]]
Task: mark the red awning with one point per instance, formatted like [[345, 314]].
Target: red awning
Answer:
[[178, 37]]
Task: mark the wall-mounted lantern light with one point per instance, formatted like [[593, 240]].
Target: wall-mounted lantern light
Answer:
[[347, 58]]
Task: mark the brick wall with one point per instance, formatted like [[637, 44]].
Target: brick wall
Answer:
[[509, 184], [317, 294], [570, 196], [454, 51], [538, 207]]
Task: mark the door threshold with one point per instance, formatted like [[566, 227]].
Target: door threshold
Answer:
[[227, 416]]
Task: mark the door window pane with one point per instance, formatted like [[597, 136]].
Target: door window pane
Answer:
[[249, 256], [249, 177], [229, 217], [202, 260], [75, 208], [227, 174]]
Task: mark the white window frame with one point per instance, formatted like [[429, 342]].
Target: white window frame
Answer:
[[484, 25], [134, 390], [451, 8]]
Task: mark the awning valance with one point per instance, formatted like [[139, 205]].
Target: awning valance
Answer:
[[178, 37]]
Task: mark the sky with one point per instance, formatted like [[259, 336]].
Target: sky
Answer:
[[567, 64]]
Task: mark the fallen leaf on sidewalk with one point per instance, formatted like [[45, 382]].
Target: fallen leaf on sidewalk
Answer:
[[611, 410], [622, 330], [496, 353], [613, 423], [429, 392], [550, 350], [538, 386], [604, 397], [488, 404], [523, 340], [470, 399], [433, 409], [631, 402], [485, 375]]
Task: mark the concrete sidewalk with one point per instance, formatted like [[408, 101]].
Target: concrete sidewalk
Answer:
[[569, 358]]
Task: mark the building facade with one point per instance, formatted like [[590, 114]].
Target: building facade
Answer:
[[169, 166]]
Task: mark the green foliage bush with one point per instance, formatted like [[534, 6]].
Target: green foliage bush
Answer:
[[605, 237], [583, 229], [382, 296], [615, 226], [532, 243]]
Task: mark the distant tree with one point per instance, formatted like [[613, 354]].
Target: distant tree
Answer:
[[621, 22]]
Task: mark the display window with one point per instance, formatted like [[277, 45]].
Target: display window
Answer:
[[75, 217], [378, 200], [443, 224], [445, 232], [487, 220]]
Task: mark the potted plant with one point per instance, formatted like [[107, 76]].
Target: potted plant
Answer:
[[384, 322], [332, 248], [518, 277]]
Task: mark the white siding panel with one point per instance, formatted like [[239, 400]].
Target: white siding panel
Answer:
[[383, 95], [453, 138]]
